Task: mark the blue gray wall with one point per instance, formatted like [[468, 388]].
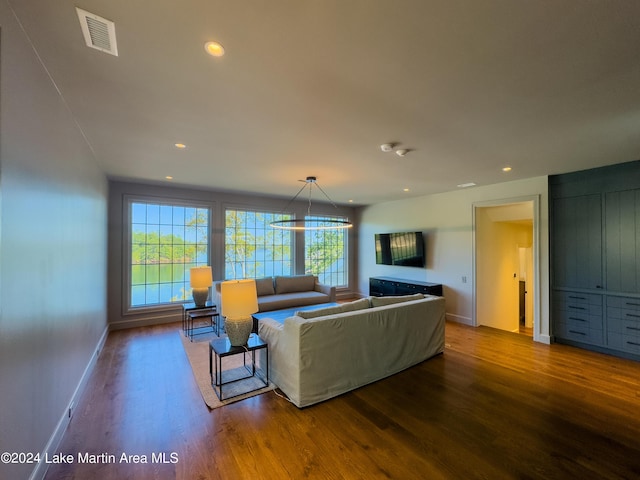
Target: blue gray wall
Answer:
[[53, 236]]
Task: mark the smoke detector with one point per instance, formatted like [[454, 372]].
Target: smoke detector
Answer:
[[387, 147], [98, 32]]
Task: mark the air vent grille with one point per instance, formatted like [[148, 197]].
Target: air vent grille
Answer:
[[98, 32]]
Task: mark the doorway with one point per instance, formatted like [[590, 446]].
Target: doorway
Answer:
[[505, 265]]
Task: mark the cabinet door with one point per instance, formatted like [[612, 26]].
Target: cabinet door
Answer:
[[577, 242], [408, 289], [376, 287], [622, 239]]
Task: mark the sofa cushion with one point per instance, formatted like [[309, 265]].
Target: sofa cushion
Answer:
[[264, 286], [380, 301], [320, 312], [357, 305], [345, 307], [291, 300], [297, 283]]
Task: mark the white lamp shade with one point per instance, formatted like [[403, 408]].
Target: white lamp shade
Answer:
[[239, 298], [201, 277]]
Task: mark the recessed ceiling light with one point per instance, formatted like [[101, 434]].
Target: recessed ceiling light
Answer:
[[350, 201], [506, 169], [169, 177], [214, 49], [466, 185], [181, 146], [405, 189]]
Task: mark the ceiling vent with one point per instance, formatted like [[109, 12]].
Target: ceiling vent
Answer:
[[98, 32]]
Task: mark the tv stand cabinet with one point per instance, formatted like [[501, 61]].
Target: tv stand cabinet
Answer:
[[383, 286]]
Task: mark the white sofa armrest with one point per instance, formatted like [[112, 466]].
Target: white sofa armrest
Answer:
[[268, 327], [284, 353]]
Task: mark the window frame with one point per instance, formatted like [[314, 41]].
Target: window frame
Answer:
[[127, 239]]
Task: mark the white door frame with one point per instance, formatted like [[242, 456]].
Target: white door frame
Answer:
[[535, 199]]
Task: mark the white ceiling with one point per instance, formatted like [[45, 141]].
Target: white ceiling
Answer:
[[313, 87]]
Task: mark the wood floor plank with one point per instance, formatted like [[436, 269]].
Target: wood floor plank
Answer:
[[494, 405]]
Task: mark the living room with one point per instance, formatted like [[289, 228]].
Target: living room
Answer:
[[62, 282]]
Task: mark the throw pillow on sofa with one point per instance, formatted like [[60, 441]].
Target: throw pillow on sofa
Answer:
[[380, 301], [320, 312], [345, 307], [357, 305], [297, 283], [264, 286]]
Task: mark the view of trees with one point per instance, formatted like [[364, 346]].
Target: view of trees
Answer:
[[325, 255], [166, 241], [253, 249]]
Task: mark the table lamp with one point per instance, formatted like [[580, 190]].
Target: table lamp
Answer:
[[201, 280], [239, 300]]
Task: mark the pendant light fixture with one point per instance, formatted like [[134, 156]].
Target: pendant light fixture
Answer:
[[306, 224]]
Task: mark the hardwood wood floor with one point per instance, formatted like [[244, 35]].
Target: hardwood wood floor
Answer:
[[494, 405]]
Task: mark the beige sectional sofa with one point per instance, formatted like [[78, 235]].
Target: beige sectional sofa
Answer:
[[335, 350], [277, 293]]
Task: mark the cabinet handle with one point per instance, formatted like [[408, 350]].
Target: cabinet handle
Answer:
[[579, 333], [577, 308], [578, 319], [634, 328], [632, 315], [598, 286], [577, 298], [634, 344], [633, 304]]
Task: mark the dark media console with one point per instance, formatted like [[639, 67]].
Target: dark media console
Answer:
[[383, 286]]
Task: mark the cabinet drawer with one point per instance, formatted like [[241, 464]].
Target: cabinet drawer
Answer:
[[578, 317], [580, 298], [623, 324], [577, 308], [625, 342], [628, 303], [579, 333]]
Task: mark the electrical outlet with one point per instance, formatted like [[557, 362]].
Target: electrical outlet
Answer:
[[464, 279], [71, 409]]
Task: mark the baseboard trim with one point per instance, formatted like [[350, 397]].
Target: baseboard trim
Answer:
[[459, 319], [146, 321], [546, 339], [52, 445]]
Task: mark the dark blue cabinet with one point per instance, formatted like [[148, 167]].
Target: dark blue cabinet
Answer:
[[384, 286], [595, 258], [577, 242]]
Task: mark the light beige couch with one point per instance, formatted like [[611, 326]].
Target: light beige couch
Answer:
[[316, 358], [277, 293]]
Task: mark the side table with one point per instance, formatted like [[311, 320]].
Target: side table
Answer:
[[221, 347], [191, 315], [187, 307]]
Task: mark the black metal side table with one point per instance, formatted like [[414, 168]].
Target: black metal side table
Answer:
[[221, 347], [191, 312]]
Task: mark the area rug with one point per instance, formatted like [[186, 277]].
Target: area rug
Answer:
[[232, 366]]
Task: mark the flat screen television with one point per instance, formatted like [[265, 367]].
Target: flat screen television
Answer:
[[403, 249]]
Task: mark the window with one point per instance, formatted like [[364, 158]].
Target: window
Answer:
[[326, 253], [166, 241], [253, 249]]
